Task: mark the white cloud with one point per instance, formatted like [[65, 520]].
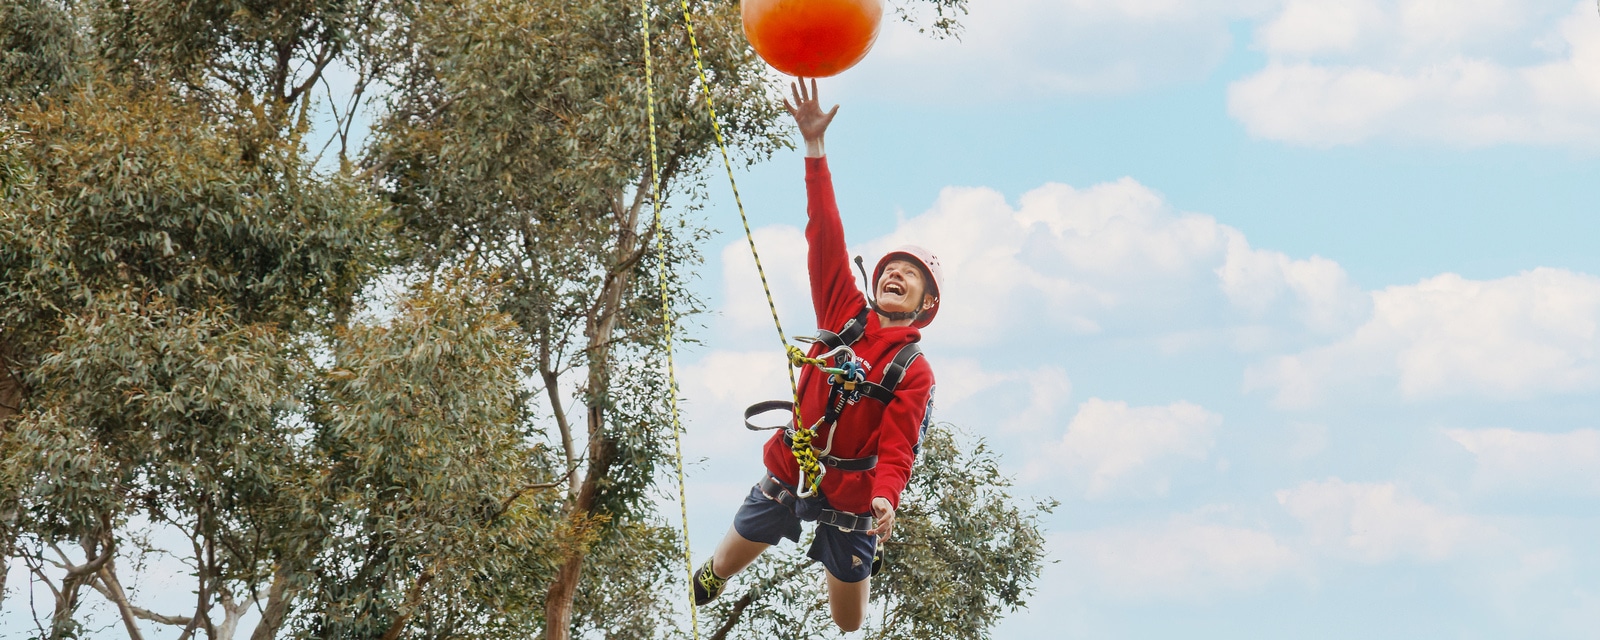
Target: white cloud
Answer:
[[1025, 401], [1030, 48], [745, 314], [1316, 291], [1532, 334], [1113, 450], [1377, 522], [1545, 463], [1078, 260], [1373, 31], [1466, 73], [1183, 558], [1319, 26], [717, 387]]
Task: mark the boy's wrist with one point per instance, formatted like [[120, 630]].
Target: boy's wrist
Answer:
[[814, 148]]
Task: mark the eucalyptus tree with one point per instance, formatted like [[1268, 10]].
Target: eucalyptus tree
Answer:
[[431, 490], [166, 257]]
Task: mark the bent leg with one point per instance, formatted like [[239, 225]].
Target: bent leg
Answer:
[[760, 523], [734, 553], [847, 556], [848, 601]]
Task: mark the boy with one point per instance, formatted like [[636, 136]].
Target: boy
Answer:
[[871, 445]]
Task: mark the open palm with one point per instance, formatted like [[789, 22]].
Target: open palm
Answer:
[[807, 110]]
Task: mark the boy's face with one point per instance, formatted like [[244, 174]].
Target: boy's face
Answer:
[[900, 287]]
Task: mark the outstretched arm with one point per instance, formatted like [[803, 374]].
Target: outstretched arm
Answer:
[[834, 296], [807, 112]]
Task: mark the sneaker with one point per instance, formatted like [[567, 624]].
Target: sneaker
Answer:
[[707, 586], [877, 560]]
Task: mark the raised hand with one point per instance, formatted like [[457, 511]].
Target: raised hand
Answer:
[[807, 112]]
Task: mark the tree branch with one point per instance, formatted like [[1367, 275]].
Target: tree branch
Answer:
[[108, 586], [12, 390], [139, 612], [505, 505], [232, 611], [765, 586], [92, 565], [552, 389], [412, 600], [329, 51], [38, 570]]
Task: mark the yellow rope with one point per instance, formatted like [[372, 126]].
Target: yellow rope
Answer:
[[804, 456], [666, 312]]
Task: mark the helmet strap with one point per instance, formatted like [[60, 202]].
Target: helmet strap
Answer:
[[901, 315]]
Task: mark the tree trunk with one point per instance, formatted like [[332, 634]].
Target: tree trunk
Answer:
[[602, 323], [11, 389], [11, 394], [118, 596], [558, 599], [277, 605], [8, 542], [61, 623]]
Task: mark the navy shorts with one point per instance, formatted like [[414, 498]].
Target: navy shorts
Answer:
[[848, 556]]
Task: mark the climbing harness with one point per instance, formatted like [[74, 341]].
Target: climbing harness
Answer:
[[847, 385], [844, 520]]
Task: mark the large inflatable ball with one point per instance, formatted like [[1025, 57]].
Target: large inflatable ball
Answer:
[[812, 38]]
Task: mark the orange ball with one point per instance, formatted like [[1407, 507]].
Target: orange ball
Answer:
[[812, 38]]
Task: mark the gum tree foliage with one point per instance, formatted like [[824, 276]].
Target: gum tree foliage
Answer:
[[964, 551], [430, 493], [38, 48], [178, 319], [158, 292], [168, 264]]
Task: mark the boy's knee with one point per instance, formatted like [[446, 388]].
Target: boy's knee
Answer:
[[847, 625]]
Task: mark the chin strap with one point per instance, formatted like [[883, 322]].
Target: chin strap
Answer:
[[897, 315]]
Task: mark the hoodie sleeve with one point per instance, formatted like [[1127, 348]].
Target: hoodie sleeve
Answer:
[[834, 295], [902, 431]]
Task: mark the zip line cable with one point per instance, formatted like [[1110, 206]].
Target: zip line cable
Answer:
[[666, 312]]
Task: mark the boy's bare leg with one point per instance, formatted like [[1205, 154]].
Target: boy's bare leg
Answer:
[[847, 601], [735, 553]]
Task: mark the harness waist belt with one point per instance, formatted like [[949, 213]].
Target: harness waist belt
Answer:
[[836, 462], [842, 464], [845, 521]]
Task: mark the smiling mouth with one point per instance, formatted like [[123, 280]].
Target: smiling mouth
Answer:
[[894, 288]]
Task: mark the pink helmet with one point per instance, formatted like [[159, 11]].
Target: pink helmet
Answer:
[[930, 265]]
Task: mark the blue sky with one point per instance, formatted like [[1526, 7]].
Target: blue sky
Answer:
[[1292, 303]]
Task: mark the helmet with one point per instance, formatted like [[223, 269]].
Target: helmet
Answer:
[[930, 265]]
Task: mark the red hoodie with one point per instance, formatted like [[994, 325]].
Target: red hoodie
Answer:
[[867, 427]]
